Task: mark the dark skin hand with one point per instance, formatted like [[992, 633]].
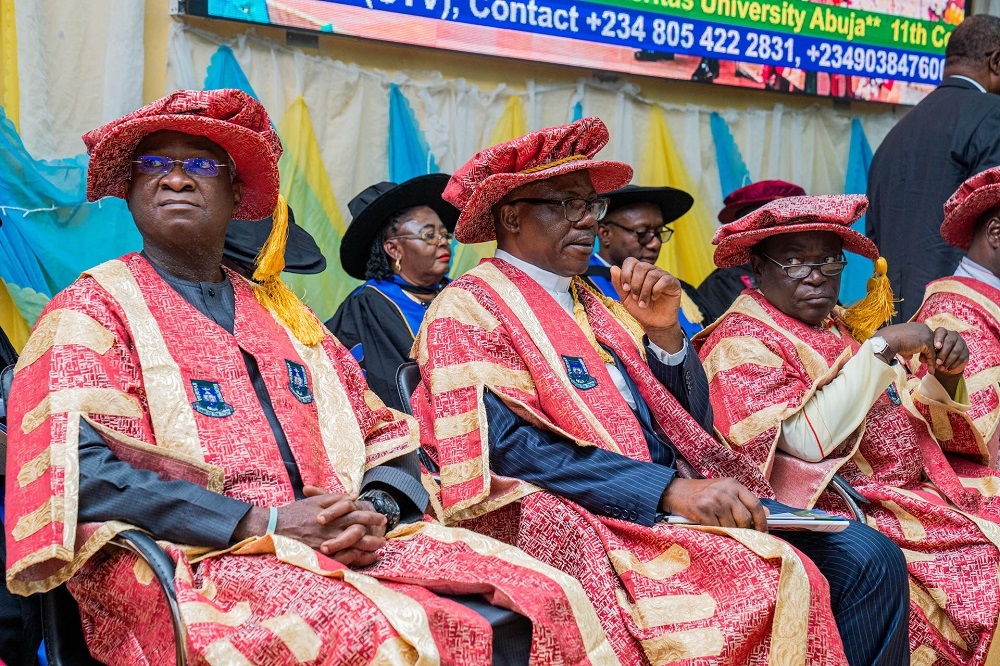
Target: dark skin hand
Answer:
[[335, 524], [944, 352], [715, 502], [653, 297]]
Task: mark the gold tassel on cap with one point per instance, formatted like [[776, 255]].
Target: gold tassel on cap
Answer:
[[273, 293], [871, 312]]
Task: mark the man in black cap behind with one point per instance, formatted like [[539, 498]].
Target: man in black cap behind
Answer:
[[636, 226]]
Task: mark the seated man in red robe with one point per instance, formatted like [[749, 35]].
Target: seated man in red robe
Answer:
[[969, 300], [803, 389], [724, 285], [569, 424], [163, 391]]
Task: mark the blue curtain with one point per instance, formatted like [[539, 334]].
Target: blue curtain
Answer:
[[225, 72], [859, 160], [409, 154], [50, 234], [733, 172], [577, 112]]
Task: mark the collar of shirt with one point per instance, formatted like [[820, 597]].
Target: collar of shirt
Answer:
[[602, 260], [970, 269], [557, 286], [972, 81]]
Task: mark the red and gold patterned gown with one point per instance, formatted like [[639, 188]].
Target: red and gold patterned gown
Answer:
[[120, 348], [972, 308], [665, 593], [763, 366]]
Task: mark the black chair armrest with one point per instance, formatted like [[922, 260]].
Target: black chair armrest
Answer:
[[162, 567]]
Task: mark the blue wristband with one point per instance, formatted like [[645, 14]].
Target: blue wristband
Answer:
[[272, 521]]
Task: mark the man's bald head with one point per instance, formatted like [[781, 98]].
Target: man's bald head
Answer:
[[974, 51]]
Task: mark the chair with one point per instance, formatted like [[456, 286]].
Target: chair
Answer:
[[408, 377], [62, 629], [407, 380]]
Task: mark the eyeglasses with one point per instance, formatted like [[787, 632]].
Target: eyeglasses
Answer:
[[155, 165], [574, 209], [430, 237], [802, 271], [645, 237]]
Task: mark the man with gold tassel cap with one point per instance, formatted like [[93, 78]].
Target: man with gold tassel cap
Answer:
[[969, 302], [803, 389], [165, 392], [569, 424]]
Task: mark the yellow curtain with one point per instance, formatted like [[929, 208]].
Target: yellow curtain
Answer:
[[512, 124], [306, 186], [9, 90], [11, 321], [688, 255]]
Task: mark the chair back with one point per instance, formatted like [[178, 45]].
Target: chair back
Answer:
[[407, 380]]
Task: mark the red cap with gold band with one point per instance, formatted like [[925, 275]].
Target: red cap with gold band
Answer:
[[229, 117], [493, 172], [835, 213], [962, 210]]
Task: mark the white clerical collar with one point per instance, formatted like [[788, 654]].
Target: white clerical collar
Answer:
[[550, 282], [970, 269], [602, 260], [972, 81]]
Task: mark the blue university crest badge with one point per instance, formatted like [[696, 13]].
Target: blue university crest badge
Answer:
[[893, 395], [578, 374], [298, 382], [210, 401]]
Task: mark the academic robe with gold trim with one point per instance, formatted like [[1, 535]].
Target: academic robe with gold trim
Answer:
[[170, 392], [660, 591], [972, 308], [763, 366]]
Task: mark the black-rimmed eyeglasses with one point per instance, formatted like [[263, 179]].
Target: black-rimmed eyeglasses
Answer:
[[645, 237], [802, 271], [574, 209]]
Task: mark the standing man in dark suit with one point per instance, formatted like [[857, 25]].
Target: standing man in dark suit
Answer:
[[952, 134]]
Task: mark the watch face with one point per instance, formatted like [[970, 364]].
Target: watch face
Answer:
[[879, 344]]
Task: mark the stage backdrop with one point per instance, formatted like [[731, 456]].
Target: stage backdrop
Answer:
[[345, 127]]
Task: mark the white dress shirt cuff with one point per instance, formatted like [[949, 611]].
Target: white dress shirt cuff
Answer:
[[665, 357]]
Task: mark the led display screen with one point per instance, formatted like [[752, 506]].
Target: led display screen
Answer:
[[881, 50]]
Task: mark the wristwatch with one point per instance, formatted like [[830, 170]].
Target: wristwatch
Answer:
[[384, 503], [880, 347]]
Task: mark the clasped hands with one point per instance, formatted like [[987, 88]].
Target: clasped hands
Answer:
[[335, 524], [943, 351]]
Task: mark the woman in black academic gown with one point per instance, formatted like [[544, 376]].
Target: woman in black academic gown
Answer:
[[399, 241]]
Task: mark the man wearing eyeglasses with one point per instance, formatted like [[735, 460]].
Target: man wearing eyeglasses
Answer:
[[802, 389], [570, 424], [635, 225]]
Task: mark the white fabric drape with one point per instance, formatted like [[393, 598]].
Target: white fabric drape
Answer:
[[349, 109], [80, 64]]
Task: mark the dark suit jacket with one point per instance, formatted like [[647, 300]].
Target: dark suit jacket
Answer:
[[952, 134], [603, 482]]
